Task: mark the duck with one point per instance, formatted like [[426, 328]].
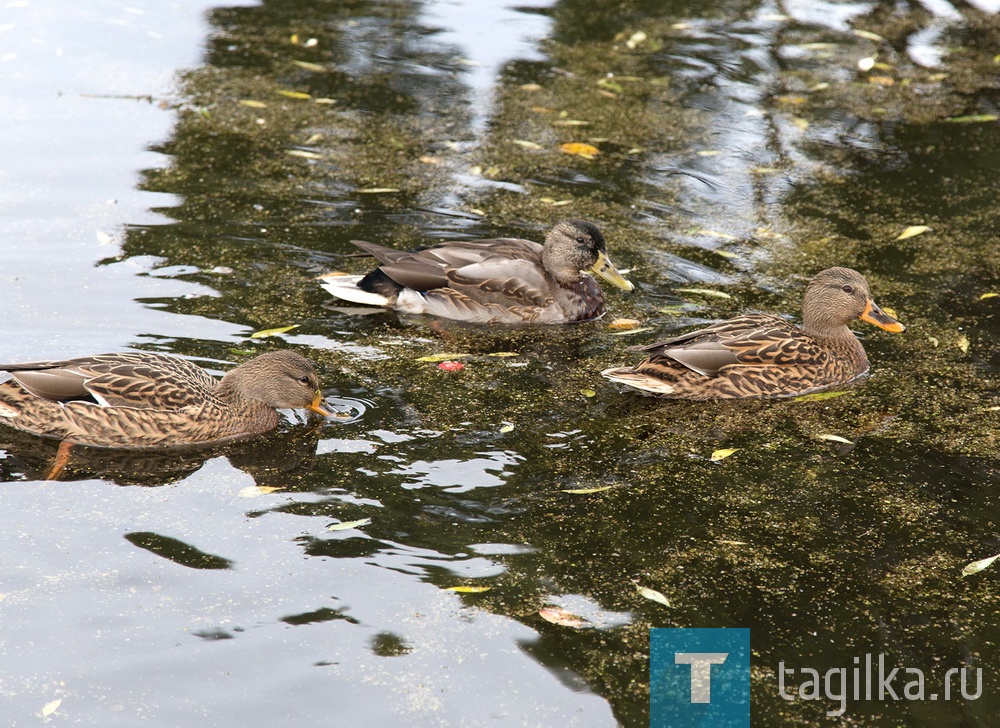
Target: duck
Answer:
[[759, 355], [141, 399], [499, 280]]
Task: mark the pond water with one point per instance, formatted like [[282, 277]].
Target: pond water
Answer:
[[177, 174]]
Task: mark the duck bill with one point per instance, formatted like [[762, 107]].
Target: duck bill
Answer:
[[606, 270], [318, 408], [874, 315]]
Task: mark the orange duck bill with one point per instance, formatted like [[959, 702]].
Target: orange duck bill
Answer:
[[874, 315]]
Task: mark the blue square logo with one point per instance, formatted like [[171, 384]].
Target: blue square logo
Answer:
[[699, 678]]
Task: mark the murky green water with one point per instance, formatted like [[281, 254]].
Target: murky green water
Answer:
[[740, 150]]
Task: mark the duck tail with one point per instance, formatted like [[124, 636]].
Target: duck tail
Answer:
[[346, 289], [637, 380]]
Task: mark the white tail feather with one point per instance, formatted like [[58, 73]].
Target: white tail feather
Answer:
[[346, 289], [629, 378]]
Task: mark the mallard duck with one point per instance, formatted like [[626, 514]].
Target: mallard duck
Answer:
[[501, 280], [760, 355], [143, 399]]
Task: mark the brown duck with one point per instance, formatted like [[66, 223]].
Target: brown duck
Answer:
[[145, 400], [500, 280], [760, 355]]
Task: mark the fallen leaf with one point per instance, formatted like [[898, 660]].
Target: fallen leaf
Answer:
[[723, 454], [526, 144], [629, 332], [963, 344], [253, 104], [294, 94], [264, 333], [507, 428], [890, 311], [376, 190], [310, 66], [973, 119], [50, 707], [303, 153], [252, 491], [976, 566], [503, 354], [570, 122], [623, 323], [912, 231], [988, 295], [588, 392], [558, 615], [636, 39], [588, 491], [820, 396], [704, 292], [468, 589], [652, 595], [347, 525], [716, 234], [531, 87], [934, 341], [451, 366], [835, 438], [435, 358], [580, 149], [727, 542], [868, 35], [882, 80]]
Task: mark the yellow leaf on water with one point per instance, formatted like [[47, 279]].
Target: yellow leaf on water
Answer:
[[717, 234], [973, 119], [526, 144], [963, 344], [623, 323], [723, 454], [912, 231], [630, 332], [303, 153], [253, 104], [347, 525], [890, 311], [580, 149], [468, 589], [988, 295], [976, 566], [447, 356], [704, 292], [571, 122], [376, 190], [588, 392], [868, 35], [587, 491], [558, 615], [252, 491], [264, 333], [652, 595], [835, 438], [934, 341], [503, 354], [51, 707], [310, 66], [294, 94], [507, 428], [819, 396]]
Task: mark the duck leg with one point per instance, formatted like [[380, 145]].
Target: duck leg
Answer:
[[61, 460]]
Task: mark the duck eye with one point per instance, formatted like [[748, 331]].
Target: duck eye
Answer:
[[848, 288], [581, 241], [304, 379]]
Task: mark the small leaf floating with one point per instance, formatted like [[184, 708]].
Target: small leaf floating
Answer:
[[580, 149], [835, 438], [704, 292], [264, 333], [912, 232], [988, 295], [558, 615], [723, 454], [435, 358], [588, 491], [51, 707], [976, 566], [468, 589], [652, 595], [347, 525], [963, 344], [451, 366]]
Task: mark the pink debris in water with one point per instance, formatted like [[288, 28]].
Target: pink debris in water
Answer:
[[451, 366]]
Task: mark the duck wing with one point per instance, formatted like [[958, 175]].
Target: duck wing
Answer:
[[142, 380], [752, 339], [500, 271]]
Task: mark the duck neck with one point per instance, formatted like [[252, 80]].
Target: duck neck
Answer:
[[561, 274]]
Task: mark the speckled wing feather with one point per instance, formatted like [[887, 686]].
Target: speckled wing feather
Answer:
[[752, 339], [143, 380]]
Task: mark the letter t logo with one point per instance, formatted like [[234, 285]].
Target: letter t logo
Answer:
[[701, 672]]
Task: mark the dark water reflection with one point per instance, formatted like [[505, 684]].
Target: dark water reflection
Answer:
[[740, 151]]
